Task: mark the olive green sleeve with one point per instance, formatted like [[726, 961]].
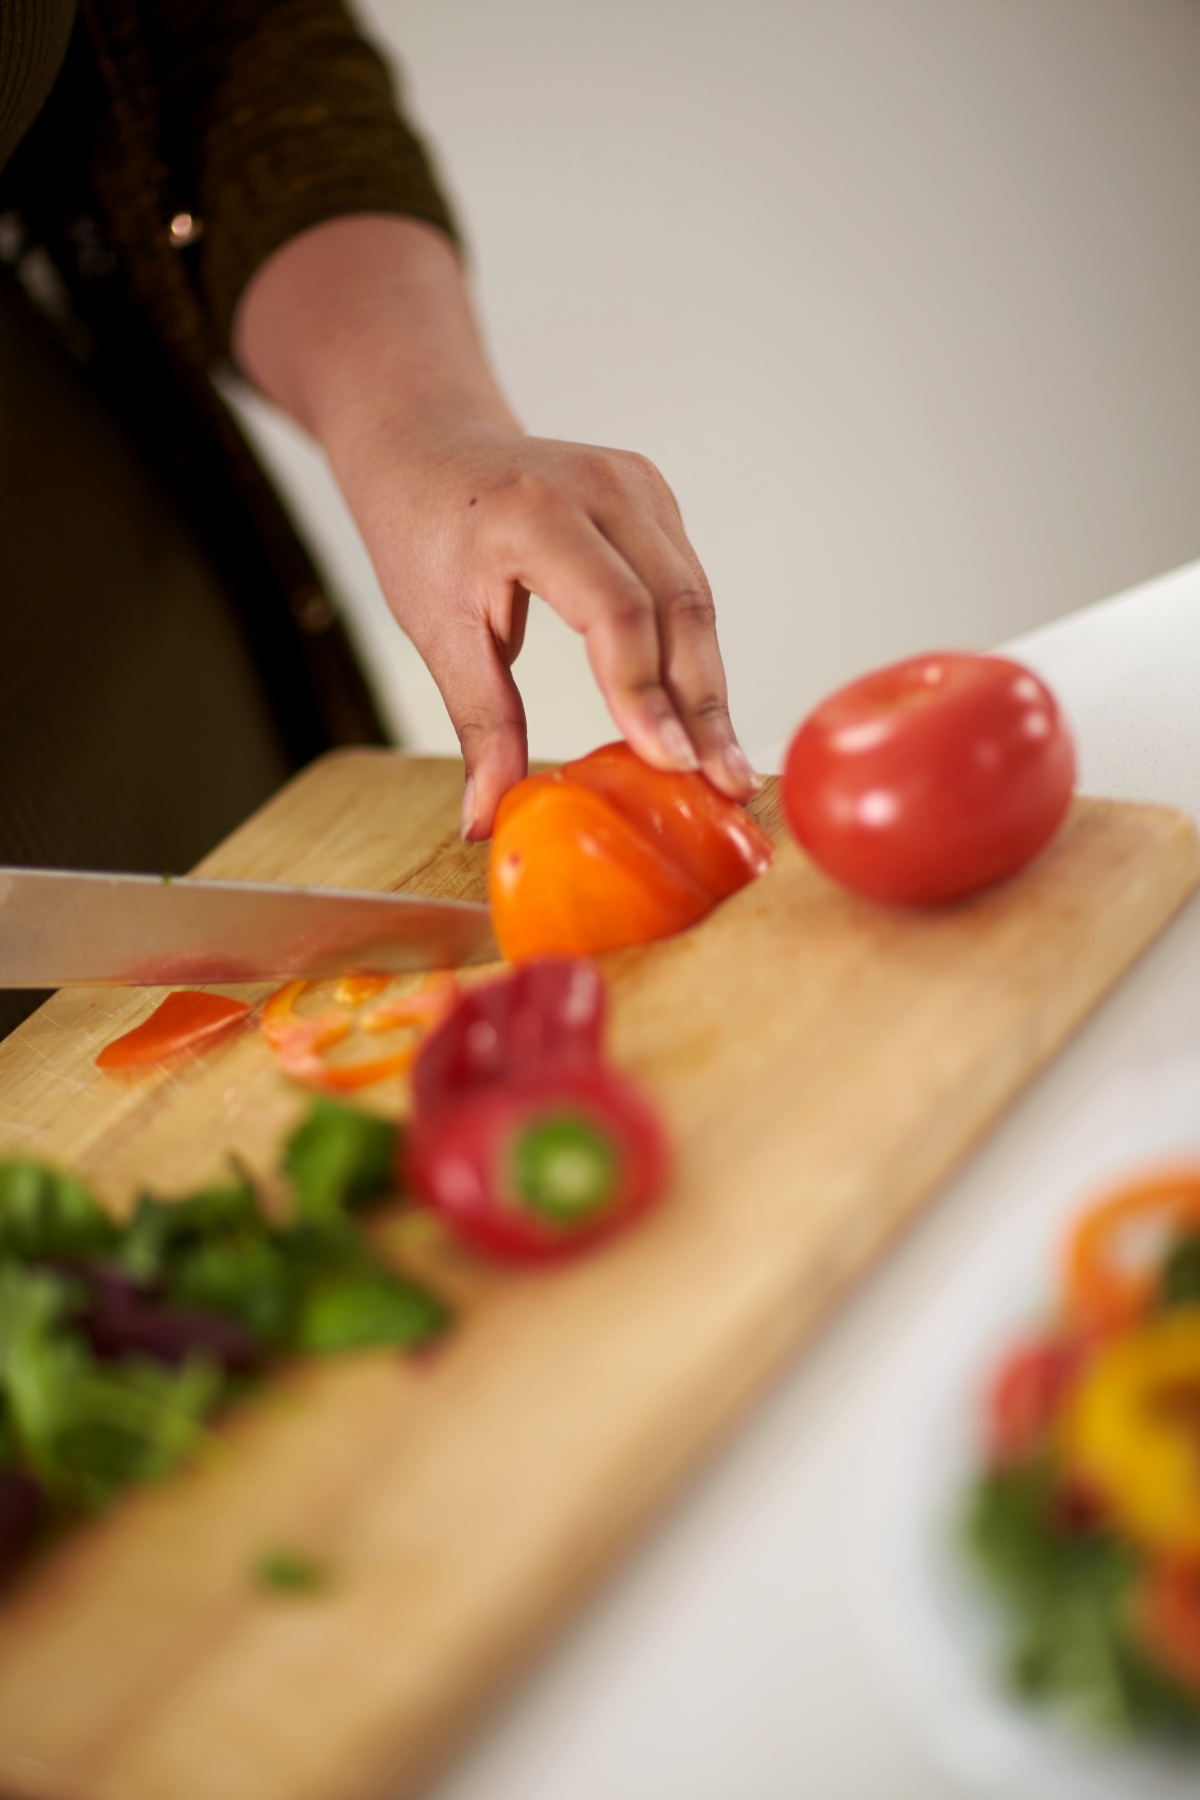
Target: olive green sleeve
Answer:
[[277, 115]]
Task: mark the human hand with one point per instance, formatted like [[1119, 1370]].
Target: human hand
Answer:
[[361, 329]]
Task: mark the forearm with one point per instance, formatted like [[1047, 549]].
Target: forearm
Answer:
[[361, 326], [361, 329]]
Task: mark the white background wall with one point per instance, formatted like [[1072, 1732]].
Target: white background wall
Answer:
[[903, 296]]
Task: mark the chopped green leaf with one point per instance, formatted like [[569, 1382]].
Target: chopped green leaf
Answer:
[[291, 1572], [1068, 1595], [354, 1310], [44, 1214], [160, 1229], [86, 1428], [246, 1276], [338, 1158]]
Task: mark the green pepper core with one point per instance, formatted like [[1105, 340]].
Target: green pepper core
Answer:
[[565, 1169]]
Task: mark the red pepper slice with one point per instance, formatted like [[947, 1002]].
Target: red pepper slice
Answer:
[[182, 1019], [1166, 1613], [538, 1168], [545, 1014], [523, 1138]]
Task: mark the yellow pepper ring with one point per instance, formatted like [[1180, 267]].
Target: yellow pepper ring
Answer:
[[1130, 1431]]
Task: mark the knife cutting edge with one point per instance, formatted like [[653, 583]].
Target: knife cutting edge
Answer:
[[61, 928]]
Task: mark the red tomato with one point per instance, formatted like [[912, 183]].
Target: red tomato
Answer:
[[931, 778], [1025, 1396]]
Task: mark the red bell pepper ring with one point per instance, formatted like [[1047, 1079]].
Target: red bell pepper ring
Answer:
[[523, 1138]]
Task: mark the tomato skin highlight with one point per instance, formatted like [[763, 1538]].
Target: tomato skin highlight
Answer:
[[181, 1020], [931, 778]]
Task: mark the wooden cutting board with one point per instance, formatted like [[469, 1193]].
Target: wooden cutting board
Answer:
[[821, 1063]]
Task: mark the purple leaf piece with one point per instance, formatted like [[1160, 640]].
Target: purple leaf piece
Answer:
[[123, 1318], [20, 1504]]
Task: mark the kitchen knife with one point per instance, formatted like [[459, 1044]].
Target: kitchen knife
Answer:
[[59, 928]]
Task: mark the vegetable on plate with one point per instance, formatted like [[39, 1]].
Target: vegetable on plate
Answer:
[[523, 1137], [607, 852], [1086, 1519], [929, 779]]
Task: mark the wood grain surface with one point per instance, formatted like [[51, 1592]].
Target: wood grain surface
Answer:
[[821, 1063]]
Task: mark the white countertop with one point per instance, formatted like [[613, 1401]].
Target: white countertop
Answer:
[[725, 1662]]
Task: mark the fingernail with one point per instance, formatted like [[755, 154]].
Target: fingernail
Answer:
[[740, 772], [675, 742], [468, 805]]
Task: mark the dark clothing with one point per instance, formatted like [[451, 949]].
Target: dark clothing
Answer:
[[167, 652]]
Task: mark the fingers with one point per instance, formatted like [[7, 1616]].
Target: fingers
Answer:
[[559, 553], [693, 673], [472, 671], [644, 605]]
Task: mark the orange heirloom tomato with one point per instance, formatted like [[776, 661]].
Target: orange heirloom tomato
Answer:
[[607, 851]]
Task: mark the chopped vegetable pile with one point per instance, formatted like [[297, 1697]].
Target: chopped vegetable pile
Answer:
[[119, 1342], [1086, 1521]]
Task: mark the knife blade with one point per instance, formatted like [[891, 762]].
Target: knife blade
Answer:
[[62, 928]]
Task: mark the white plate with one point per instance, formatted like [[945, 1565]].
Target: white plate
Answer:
[[933, 1639]]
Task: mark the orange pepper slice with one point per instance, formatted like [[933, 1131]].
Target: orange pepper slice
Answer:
[[1102, 1292], [352, 990], [184, 1018], [298, 1041], [426, 1005], [608, 852], [283, 1030], [312, 1071]]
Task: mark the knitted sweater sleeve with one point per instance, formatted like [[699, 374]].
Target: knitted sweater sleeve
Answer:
[[275, 116]]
